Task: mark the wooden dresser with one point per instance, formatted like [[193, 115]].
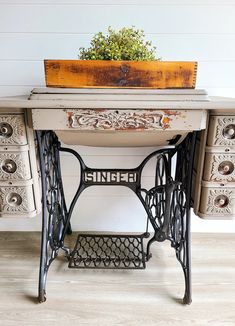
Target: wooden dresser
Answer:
[[214, 186], [19, 186]]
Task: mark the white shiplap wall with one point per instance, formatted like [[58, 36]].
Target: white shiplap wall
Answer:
[[32, 30]]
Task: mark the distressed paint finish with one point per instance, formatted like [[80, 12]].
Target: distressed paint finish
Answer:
[[114, 119], [102, 73], [121, 119]]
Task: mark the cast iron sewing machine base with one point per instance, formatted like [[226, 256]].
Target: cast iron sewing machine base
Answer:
[[167, 207]]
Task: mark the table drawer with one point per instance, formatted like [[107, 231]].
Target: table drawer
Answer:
[[12, 129], [119, 127], [217, 202], [219, 167], [16, 200], [221, 131]]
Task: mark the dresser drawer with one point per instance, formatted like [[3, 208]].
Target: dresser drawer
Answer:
[[16, 200], [12, 129], [15, 165], [221, 131], [219, 167], [119, 127], [217, 202]]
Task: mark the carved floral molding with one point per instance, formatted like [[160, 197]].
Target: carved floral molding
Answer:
[[118, 119]]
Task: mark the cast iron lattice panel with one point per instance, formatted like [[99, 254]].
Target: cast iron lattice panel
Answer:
[[108, 251]]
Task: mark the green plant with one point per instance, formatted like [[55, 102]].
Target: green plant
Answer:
[[124, 44]]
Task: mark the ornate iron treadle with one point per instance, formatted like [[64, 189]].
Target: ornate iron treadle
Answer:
[[167, 205], [108, 251]]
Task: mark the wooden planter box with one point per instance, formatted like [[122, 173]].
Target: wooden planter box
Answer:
[[131, 74]]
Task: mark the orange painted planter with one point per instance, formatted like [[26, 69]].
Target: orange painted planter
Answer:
[[130, 74]]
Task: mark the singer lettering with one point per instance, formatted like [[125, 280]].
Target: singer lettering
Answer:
[[109, 177]]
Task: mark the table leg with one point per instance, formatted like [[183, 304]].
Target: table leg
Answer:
[[168, 205], [54, 211], [181, 221]]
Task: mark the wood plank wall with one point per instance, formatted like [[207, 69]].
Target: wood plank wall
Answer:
[[31, 30]]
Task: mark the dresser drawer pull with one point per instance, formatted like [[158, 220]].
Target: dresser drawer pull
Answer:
[[14, 199], [226, 168], [229, 131], [6, 130], [9, 166], [221, 201]]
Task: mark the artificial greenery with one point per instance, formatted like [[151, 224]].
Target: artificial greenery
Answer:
[[124, 44]]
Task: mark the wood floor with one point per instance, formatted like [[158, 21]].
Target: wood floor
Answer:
[[105, 297]]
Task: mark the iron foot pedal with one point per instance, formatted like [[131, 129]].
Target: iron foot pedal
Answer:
[[109, 251]]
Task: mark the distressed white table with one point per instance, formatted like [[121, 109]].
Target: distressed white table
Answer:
[[193, 130]]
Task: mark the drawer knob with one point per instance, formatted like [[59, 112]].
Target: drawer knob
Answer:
[[226, 167], [6, 130], [14, 199], [229, 131], [221, 201], [9, 166]]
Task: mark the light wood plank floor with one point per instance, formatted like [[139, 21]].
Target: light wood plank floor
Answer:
[[105, 297]]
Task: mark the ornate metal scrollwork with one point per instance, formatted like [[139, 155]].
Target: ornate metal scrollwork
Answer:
[[177, 229], [180, 210], [157, 200], [167, 204], [53, 203]]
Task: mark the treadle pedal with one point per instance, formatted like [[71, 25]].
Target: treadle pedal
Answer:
[[109, 251]]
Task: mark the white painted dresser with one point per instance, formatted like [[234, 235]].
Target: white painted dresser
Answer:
[[159, 118]]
